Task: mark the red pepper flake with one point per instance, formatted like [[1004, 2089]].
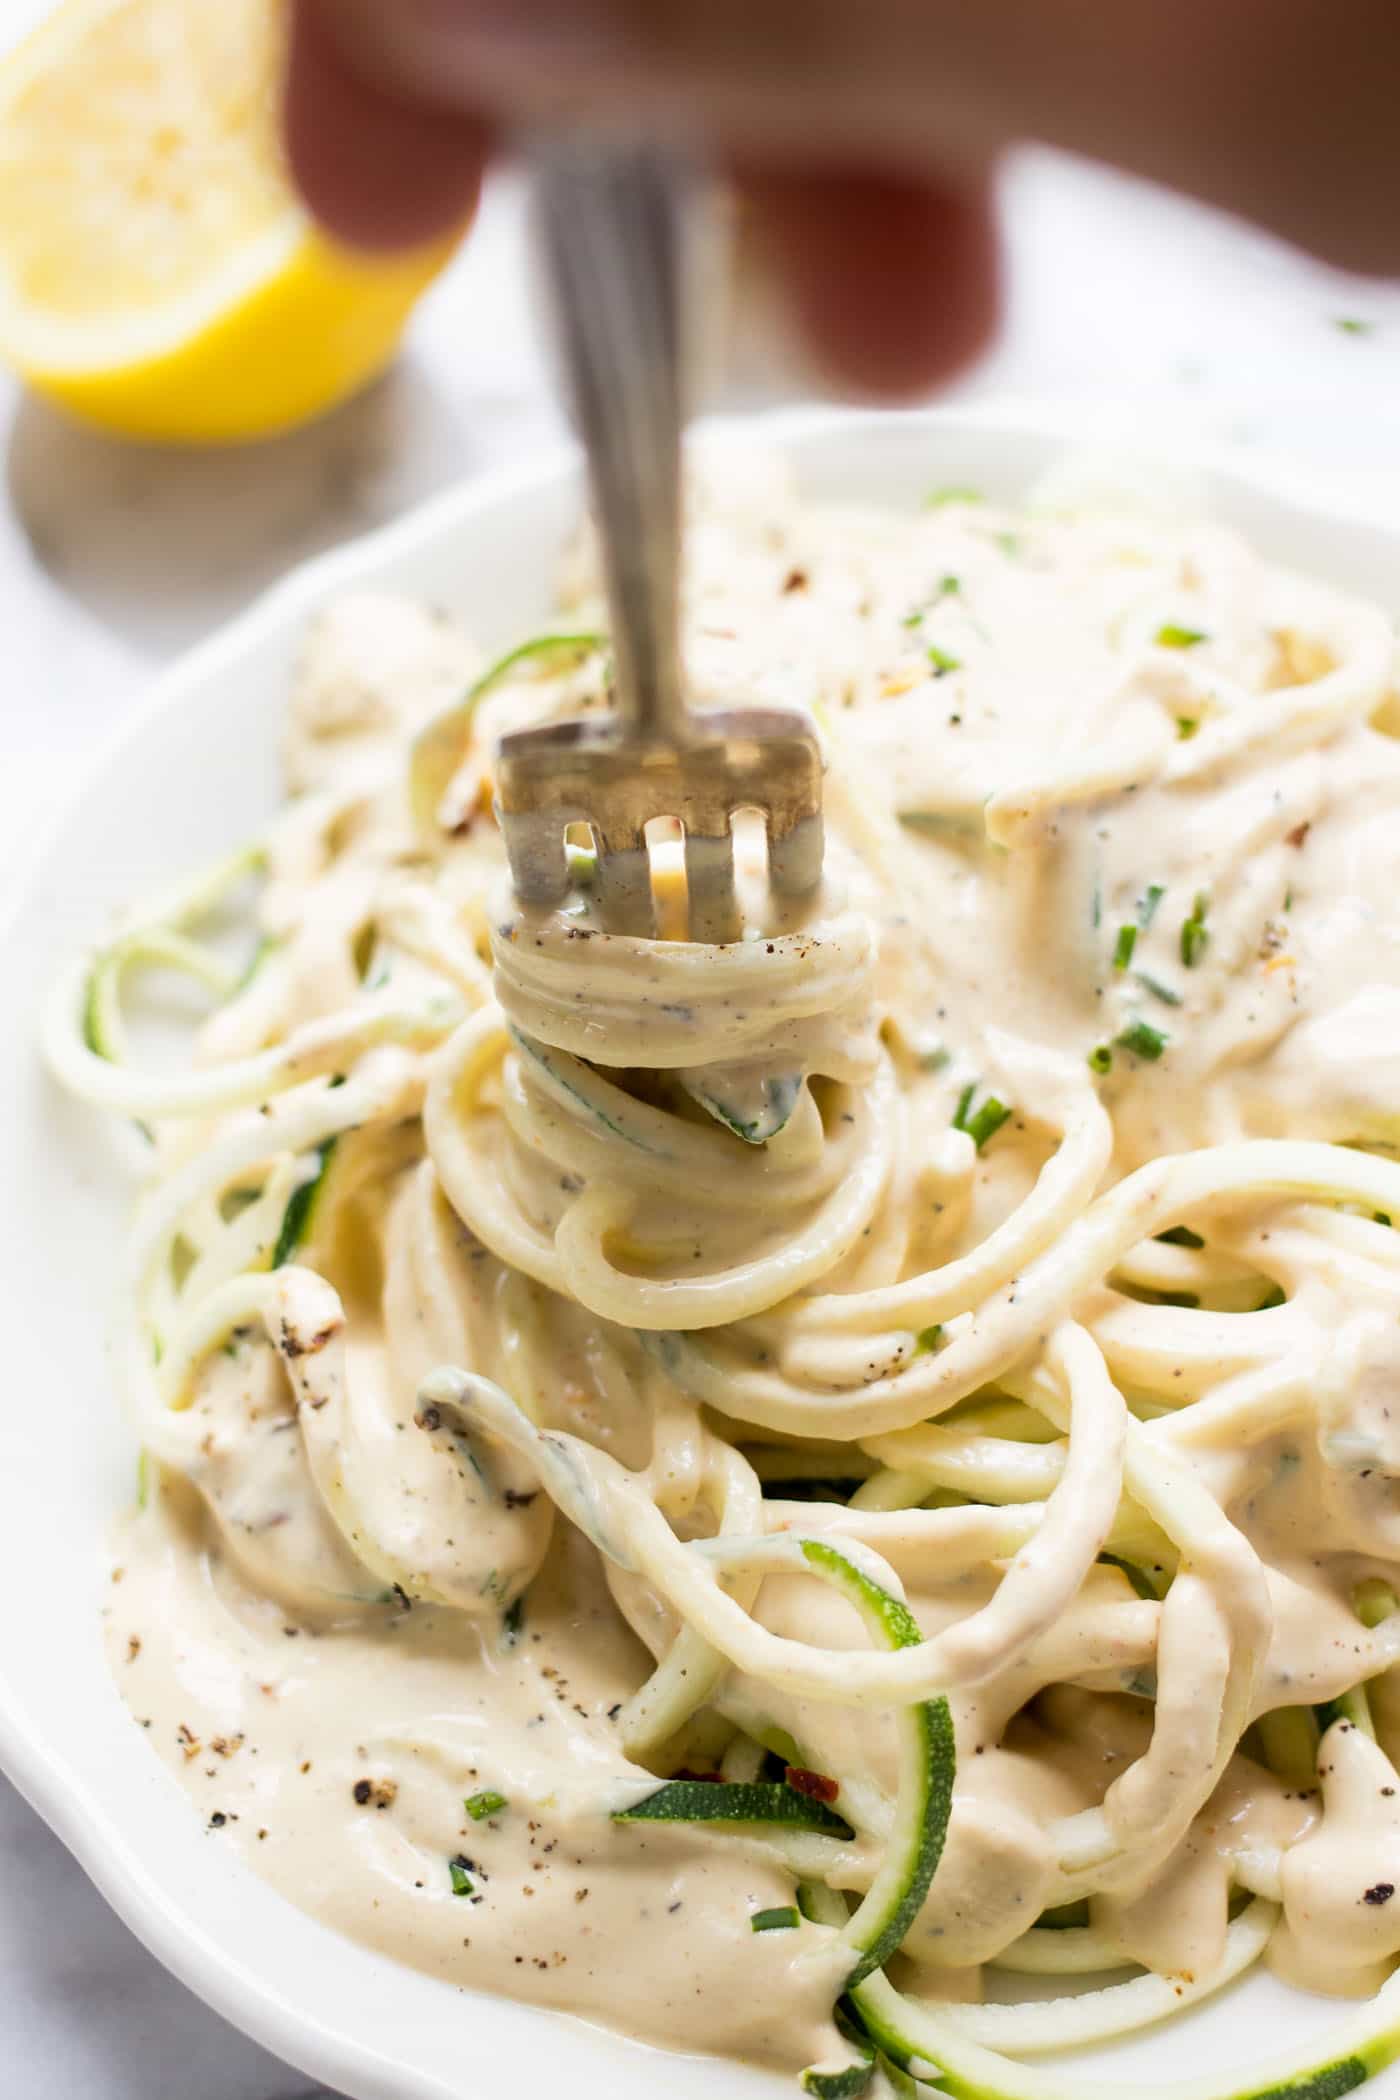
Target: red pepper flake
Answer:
[[815, 1785]]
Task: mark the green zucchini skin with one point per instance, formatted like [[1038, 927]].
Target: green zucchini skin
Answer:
[[876, 2005], [851, 2080], [755, 1115], [845, 2084], [735, 1802], [301, 1205], [926, 1793]]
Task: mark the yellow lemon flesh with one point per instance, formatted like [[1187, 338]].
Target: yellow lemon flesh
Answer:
[[157, 275]]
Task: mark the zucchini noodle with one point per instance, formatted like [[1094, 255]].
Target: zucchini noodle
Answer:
[[684, 1475]]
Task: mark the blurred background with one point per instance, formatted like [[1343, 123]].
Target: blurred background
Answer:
[[1141, 316]]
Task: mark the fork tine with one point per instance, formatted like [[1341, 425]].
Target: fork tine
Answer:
[[623, 882], [709, 877], [539, 866], [795, 856]]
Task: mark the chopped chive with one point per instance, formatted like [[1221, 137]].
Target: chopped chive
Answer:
[[462, 1883], [1161, 991], [1009, 543], [1186, 727], [987, 1121], [934, 1058], [1194, 936], [487, 1803], [948, 587], [953, 493], [1181, 1236], [1143, 1040], [1288, 899], [964, 1104], [783, 1918], [1352, 324], [928, 1339], [942, 662], [1148, 902], [1096, 907], [1170, 636], [1100, 1058], [1123, 950]]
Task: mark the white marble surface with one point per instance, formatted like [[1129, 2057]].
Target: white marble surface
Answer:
[[1154, 315]]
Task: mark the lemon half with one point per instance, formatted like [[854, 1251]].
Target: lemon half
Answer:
[[157, 274]]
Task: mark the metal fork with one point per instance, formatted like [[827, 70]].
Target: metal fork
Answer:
[[613, 220]]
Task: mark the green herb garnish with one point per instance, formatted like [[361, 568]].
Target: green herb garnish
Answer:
[[1186, 727], [1123, 949], [783, 1918], [1143, 1040], [1352, 324], [1194, 936], [1170, 636], [928, 1339], [942, 662], [1100, 1058], [1148, 902], [462, 1883], [953, 493], [987, 1121], [480, 1806], [1164, 992], [948, 587]]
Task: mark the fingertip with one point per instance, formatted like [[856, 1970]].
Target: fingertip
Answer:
[[377, 170], [894, 282]]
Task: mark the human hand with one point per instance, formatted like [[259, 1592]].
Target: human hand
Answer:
[[864, 131]]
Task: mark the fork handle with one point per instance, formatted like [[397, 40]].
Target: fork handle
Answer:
[[611, 220]]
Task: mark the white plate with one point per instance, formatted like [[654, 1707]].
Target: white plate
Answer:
[[192, 774]]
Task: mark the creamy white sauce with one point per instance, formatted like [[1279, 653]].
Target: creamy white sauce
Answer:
[[1057, 746]]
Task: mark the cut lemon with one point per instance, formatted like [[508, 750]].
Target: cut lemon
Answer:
[[157, 275]]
